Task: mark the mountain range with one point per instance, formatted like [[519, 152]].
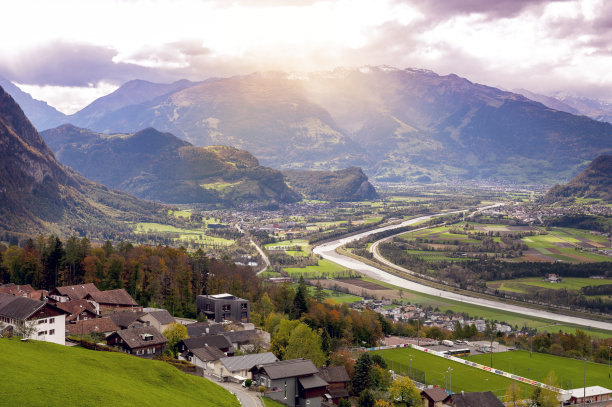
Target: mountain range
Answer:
[[39, 195], [594, 182], [398, 125]]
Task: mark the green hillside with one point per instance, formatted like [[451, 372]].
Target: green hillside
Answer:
[[39, 373], [349, 184]]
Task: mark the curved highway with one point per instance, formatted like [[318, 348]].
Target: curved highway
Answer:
[[328, 251]]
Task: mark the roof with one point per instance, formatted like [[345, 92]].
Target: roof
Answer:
[[203, 328], [19, 308], [289, 368], [337, 393], [76, 306], [134, 337], [234, 363], [125, 318], [241, 336], [590, 391], [87, 326], [115, 297], [76, 292], [163, 317], [218, 341], [476, 399], [435, 394], [312, 382], [13, 289], [208, 353], [334, 374]]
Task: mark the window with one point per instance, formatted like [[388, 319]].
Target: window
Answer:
[[41, 333], [42, 321], [52, 332], [51, 320], [226, 307], [243, 306]]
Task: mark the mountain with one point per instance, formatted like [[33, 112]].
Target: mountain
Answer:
[[38, 112], [399, 125], [349, 184], [38, 195], [595, 109], [135, 92], [595, 182], [161, 167], [548, 101]]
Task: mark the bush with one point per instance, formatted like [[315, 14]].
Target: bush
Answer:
[[248, 382]]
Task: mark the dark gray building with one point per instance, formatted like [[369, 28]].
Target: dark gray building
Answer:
[[224, 307]]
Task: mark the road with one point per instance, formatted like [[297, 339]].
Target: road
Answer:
[[265, 258], [328, 251], [247, 398]]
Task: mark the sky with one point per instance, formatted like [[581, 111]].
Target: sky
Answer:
[[70, 52]]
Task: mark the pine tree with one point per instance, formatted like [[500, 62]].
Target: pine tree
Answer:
[[300, 301], [363, 376]]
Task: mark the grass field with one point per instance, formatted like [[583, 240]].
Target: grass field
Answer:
[[39, 373], [324, 268], [198, 236], [464, 377], [523, 285], [569, 372], [444, 304], [268, 402]]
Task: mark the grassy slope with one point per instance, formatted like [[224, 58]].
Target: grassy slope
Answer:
[[55, 375], [464, 377], [569, 372]]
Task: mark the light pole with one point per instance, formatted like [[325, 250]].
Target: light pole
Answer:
[[450, 381], [509, 368], [584, 388], [410, 367], [608, 362]]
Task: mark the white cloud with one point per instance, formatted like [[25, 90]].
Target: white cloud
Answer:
[[68, 99]]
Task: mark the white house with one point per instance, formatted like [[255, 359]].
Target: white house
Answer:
[[48, 321]]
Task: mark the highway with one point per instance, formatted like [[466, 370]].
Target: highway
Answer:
[[328, 251]]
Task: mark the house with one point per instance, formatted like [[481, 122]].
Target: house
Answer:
[[435, 397], [218, 341], [112, 300], [476, 399], [25, 290], [243, 340], [222, 307], [128, 319], [238, 368], [204, 328], [593, 394], [77, 310], [160, 319], [88, 326], [72, 292], [46, 321], [553, 278], [292, 382], [338, 380], [203, 357], [145, 342]]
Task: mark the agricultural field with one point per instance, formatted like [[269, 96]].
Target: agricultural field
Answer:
[[179, 234], [324, 268], [287, 244], [569, 372], [566, 244], [90, 378], [432, 370]]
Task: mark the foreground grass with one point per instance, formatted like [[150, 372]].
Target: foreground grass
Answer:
[[569, 372], [464, 377], [268, 402], [39, 373]]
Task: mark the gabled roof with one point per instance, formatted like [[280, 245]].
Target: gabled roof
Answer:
[[235, 363], [114, 297], [218, 341], [20, 308], [208, 353], [476, 399], [435, 394], [204, 328], [76, 306], [135, 337], [334, 374], [312, 382], [125, 318], [75, 292], [289, 368], [241, 336], [337, 393], [103, 325], [163, 317]]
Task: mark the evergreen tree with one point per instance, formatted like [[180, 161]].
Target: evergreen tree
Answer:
[[300, 301], [366, 399], [363, 376]]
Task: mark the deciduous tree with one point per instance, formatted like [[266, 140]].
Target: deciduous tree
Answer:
[[403, 390], [175, 333]]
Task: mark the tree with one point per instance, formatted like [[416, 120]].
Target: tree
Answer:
[[175, 333], [305, 343], [549, 397], [281, 335], [403, 390], [363, 376], [382, 403], [344, 403], [25, 329], [366, 399], [514, 397], [300, 301]]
